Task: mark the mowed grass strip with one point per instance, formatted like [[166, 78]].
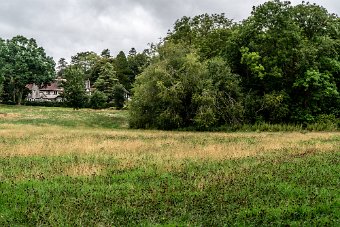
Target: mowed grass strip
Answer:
[[57, 174]]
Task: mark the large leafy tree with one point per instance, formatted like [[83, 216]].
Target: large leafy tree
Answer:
[[23, 62], [179, 90], [163, 93], [288, 57], [206, 33]]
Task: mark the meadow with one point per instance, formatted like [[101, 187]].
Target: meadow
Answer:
[[63, 167]]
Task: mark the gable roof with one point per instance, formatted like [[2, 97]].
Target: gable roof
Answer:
[[51, 87], [54, 86]]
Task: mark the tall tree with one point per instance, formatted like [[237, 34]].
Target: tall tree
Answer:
[[137, 63], [85, 61], [74, 89], [123, 71], [287, 55], [23, 63], [2, 60], [132, 52], [62, 65], [207, 33], [106, 81], [98, 65]]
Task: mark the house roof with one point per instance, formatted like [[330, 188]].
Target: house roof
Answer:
[[46, 87], [50, 87], [29, 86]]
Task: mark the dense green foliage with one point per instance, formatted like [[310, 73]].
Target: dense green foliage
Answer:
[[98, 100], [281, 65], [207, 34], [107, 80], [74, 92], [289, 55], [111, 77], [22, 62], [178, 91]]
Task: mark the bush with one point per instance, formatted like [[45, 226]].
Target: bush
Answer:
[[324, 122], [98, 100]]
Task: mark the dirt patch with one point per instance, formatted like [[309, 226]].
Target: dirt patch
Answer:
[[8, 115]]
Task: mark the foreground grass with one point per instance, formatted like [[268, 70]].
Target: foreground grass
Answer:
[[83, 173]]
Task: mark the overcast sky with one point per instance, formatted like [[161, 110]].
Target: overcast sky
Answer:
[[66, 27]]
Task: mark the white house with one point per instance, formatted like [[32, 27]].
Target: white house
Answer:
[[51, 92]]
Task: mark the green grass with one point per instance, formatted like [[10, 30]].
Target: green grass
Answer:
[[297, 185], [65, 117], [273, 190]]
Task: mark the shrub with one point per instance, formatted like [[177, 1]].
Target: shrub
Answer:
[[98, 100]]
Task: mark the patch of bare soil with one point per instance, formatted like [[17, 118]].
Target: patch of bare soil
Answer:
[[8, 115]]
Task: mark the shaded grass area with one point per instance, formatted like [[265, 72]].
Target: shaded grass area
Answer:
[[64, 117], [271, 190]]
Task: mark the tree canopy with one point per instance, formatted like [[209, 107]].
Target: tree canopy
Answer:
[[178, 90], [23, 62], [280, 65], [74, 89], [291, 53]]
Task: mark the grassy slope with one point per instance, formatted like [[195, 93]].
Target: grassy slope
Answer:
[[64, 117], [65, 167]]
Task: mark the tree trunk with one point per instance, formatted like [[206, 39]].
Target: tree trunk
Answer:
[[20, 94], [14, 96]]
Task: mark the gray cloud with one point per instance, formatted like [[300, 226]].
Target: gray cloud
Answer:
[[65, 27]]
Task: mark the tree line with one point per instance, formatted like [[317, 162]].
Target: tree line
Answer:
[[280, 66], [111, 77], [23, 62]]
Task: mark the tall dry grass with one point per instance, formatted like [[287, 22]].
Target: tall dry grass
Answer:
[[133, 147]]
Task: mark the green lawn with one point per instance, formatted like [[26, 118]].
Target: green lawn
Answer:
[[62, 167], [65, 117]]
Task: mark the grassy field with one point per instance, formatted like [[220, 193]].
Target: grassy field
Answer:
[[64, 167]]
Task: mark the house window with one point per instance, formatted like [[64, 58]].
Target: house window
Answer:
[[55, 92]]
